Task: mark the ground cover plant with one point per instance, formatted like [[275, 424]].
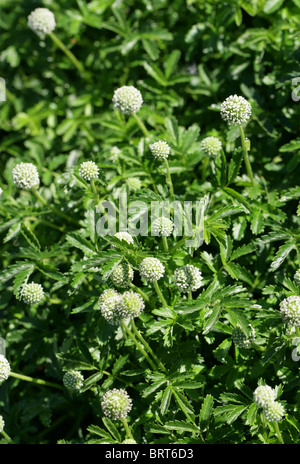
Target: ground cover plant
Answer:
[[149, 222]]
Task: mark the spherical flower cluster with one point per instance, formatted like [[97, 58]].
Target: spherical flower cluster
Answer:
[[109, 303], [32, 293], [240, 339], [211, 146], [162, 226], [73, 380], [290, 310], [2, 424], [89, 170], [187, 278], [160, 150], [274, 412], [264, 396], [297, 277], [134, 183], [41, 21], [129, 441], [151, 269], [26, 176], [116, 404], [132, 305], [4, 368], [114, 154], [235, 110], [127, 99], [122, 275], [125, 236]]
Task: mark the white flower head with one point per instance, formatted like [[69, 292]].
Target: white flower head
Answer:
[[122, 275], [73, 380], [290, 310], [235, 110], [109, 303], [160, 150], [132, 305], [162, 226], [240, 338], [125, 236], [41, 21], [89, 170], [151, 269], [4, 368], [274, 412], [2, 424], [127, 99], [187, 278], [211, 146], [32, 293], [116, 404], [264, 395], [26, 176]]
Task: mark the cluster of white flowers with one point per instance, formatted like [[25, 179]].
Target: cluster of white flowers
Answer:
[[89, 170], [32, 293], [187, 278], [73, 380], [134, 183], [127, 99], [235, 110], [290, 310], [122, 275], [211, 146], [160, 150], [116, 404], [41, 21], [115, 306], [265, 397], [151, 269], [4, 368], [26, 176], [240, 338], [162, 226]]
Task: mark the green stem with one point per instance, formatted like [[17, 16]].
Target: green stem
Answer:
[[138, 345], [178, 244], [160, 295], [278, 433], [138, 290], [7, 437], [190, 295], [169, 178], [245, 154], [126, 426], [68, 52], [165, 244], [141, 124], [36, 381], [145, 343]]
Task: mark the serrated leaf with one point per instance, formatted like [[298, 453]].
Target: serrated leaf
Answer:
[[230, 412], [206, 411], [181, 426], [166, 399], [30, 237], [22, 278], [281, 255], [76, 240]]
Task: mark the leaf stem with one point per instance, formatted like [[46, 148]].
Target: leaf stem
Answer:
[[138, 290], [7, 437], [67, 52], [169, 178], [165, 244], [145, 343], [55, 210], [126, 426], [278, 433]]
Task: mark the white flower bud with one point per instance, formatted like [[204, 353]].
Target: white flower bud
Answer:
[[290, 310], [116, 404], [235, 110], [187, 278], [160, 150], [211, 146], [274, 412], [151, 269], [122, 275], [4, 368], [162, 226], [73, 380], [32, 293], [240, 339], [264, 395], [109, 303], [26, 176], [127, 99], [41, 21], [89, 170]]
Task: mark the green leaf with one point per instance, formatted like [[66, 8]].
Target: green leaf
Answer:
[[166, 399], [22, 278], [272, 5], [206, 411], [78, 241], [238, 197], [111, 428], [230, 413], [181, 426], [281, 255]]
